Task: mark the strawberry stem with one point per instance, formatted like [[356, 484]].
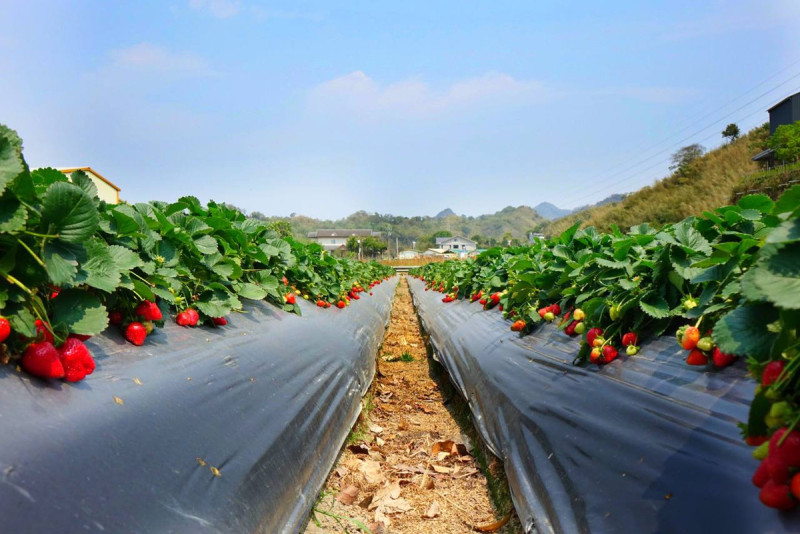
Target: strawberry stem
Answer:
[[32, 253]]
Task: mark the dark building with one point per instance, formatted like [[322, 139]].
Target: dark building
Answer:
[[787, 111]]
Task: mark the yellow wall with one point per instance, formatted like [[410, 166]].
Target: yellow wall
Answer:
[[104, 191]]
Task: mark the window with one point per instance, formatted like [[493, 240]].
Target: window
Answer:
[[333, 241]]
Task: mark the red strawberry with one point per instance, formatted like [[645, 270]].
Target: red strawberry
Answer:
[[183, 319], [721, 359], [631, 338], [320, 303], [761, 475], [340, 304], [755, 441], [609, 354], [290, 298], [149, 311], [555, 308], [477, 296], [194, 317], [79, 337], [115, 317], [370, 293], [285, 281], [76, 359], [789, 450], [518, 326], [696, 357], [219, 321], [43, 331], [136, 333], [570, 329], [795, 486], [690, 338], [777, 496], [42, 360], [500, 307], [592, 334], [495, 298], [5, 329], [778, 469], [596, 356], [771, 372], [543, 312]]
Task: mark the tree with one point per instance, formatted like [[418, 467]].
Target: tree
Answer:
[[284, 228], [478, 238], [685, 156], [731, 132], [786, 142], [370, 246], [442, 233]]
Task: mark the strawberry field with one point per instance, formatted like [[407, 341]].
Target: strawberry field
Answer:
[[181, 350], [725, 284]]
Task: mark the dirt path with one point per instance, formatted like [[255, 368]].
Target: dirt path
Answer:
[[410, 465]]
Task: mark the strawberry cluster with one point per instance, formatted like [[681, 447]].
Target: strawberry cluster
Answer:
[[778, 475], [702, 349], [71, 361]]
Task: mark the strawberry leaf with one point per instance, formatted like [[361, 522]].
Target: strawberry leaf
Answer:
[[79, 312], [69, 212], [745, 331], [654, 305]]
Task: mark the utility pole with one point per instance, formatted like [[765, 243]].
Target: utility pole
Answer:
[[396, 246]]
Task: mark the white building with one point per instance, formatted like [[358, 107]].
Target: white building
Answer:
[[106, 190], [407, 254], [336, 238], [457, 244]]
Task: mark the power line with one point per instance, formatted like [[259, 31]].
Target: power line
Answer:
[[656, 164], [690, 136], [711, 113]]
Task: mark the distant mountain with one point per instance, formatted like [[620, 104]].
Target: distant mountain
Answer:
[[489, 229], [616, 197], [447, 212], [550, 211]]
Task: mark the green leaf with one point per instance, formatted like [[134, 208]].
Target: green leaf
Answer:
[[82, 180], [126, 219], [11, 163], [788, 202], [745, 331], [206, 244], [12, 214], [69, 212], [252, 291], [761, 203], [80, 312], [654, 305], [217, 302], [143, 290], [784, 232], [690, 239], [100, 270], [759, 408], [124, 258], [61, 262], [776, 278]]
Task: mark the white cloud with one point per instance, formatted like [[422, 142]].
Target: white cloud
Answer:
[[357, 91], [146, 57], [221, 9]]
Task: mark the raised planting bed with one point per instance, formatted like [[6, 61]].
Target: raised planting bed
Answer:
[[230, 429], [644, 445]]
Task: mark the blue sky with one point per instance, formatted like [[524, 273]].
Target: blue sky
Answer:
[[325, 108]]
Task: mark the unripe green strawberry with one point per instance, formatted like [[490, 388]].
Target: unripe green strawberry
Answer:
[[549, 316], [580, 328], [705, 344], [761, 451], [578, 314], [632, 350]]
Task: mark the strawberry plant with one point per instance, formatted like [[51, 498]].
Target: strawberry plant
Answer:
[[71, 265], [727, 283]]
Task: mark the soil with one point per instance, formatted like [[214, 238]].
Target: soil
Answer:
[[413, 463]]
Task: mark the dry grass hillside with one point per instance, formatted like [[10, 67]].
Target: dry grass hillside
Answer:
[[706, 184]]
